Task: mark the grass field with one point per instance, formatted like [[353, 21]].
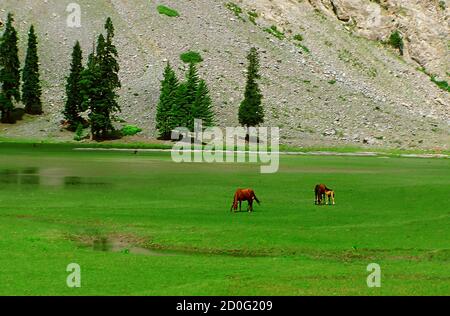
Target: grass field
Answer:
[[143, 225]]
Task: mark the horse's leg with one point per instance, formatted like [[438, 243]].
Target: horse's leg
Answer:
[[250, 205]]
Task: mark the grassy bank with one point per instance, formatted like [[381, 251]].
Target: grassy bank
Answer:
[[143, 225]]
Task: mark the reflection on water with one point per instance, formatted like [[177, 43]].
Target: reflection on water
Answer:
[[9, 176], [72, 181], [35, 177], [102, 244], [30, 176], [26, 176], [79, 181]]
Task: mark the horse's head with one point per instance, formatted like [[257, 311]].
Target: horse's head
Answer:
[[234, 206]]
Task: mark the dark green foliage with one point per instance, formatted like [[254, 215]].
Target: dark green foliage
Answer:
[[186, 95], [73, 106], [191, 57], [396, 41], [109, 58], [202, 106], [9, 71], [167, 100], [304, 48], [180, 104], [298, 37], [275, 32], [98, 86], [130, 130], [441, 83], [252, 16], [79, 132], [18, 114], [251, 112], [31, 91], [233, 7], [167, 11]]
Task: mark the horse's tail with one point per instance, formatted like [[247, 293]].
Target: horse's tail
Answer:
[[256, 199]]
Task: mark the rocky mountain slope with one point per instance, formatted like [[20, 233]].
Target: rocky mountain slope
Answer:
[[424, 25], [338, 86]]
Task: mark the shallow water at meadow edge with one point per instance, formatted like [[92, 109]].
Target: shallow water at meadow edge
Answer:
[[34, 176]]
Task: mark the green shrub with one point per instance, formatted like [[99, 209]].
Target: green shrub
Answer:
[[167, 11], [396, 41], [332, 81], [422, 69], [79, 133], [252, 16], [130, 130], [275, 32], [372, 72], [304, 48], [191, 57], [441, 83], [298, 37], [233, 7]]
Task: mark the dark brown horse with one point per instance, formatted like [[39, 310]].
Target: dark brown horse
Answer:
[[244, 195], [322, 192]]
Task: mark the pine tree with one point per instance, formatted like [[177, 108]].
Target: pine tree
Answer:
[[73, 106], [167, 99], [31, 91], [202, 106], [99, 83], [110, 66], [187, 92], [9, 71], [251, 112], [94, 91]]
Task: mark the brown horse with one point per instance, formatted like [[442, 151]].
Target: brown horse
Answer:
[[322, 192], [244, 195]]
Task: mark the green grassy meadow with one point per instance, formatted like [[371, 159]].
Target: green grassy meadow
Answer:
[[143, 225]]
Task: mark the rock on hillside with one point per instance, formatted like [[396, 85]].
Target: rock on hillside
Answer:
[[424, 24], [332, 88]]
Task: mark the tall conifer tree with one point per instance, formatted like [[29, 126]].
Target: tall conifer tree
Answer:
[[9, 71], [202, 106], [31, 90], [251, 112], [167, 99], [73, 106], [187, 92], [99, 83]]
